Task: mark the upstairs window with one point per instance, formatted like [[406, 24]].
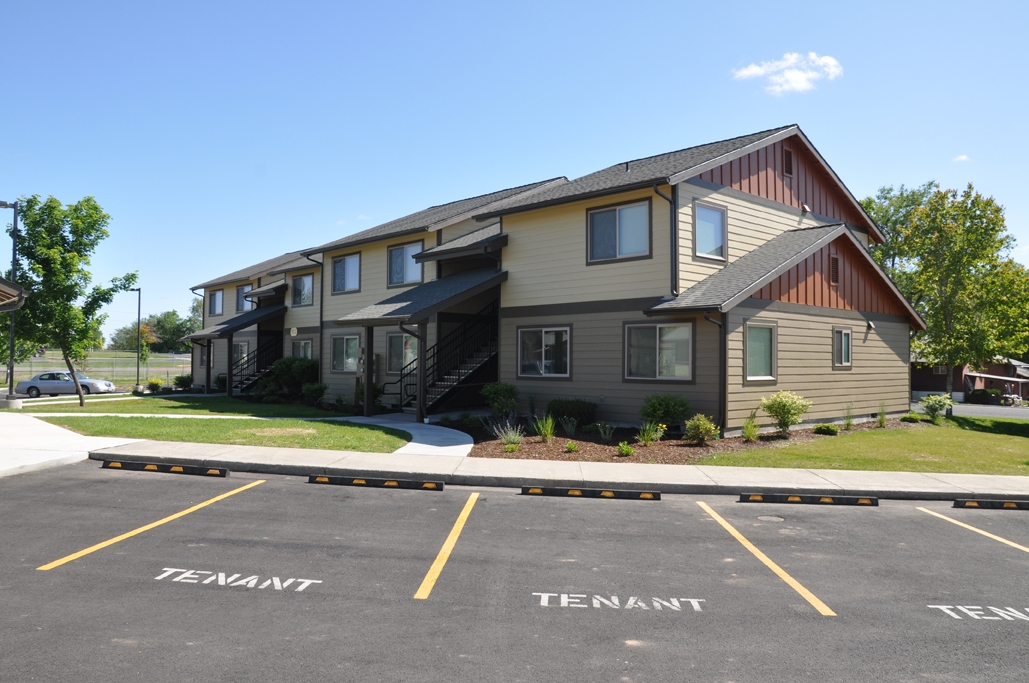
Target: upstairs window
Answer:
[[403, 269], [619, 232], [242, 303], [346, 273], [303, 290], [215, 303], [709, 231]]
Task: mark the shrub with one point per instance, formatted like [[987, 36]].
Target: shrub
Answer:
[[511, 448], [501, 398], [289, 375], [472, 422], [750, 428], [313, 392], [911, 417], [935, 405], [880, 417], [568, 425], [582, 411], [625, 450], [848, 417], [220, 383], [699, 429], [506, 430], [666, 409], [154, 384], [544, 426], [650, 432], [571, 447], [785, 408], [603, 429], [826, 429], [342, 406], [983, 396], [271, 398], [183, 381]]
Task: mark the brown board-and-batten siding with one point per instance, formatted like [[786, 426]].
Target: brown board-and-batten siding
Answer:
[[762, 173]]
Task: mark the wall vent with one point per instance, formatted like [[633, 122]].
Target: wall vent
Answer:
[[834, 269], [787, 162]]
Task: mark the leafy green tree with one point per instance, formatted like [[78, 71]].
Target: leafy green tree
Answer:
[[54, 251], [972, 296], [892, 209]]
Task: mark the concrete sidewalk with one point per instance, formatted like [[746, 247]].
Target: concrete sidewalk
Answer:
[[28, 444]]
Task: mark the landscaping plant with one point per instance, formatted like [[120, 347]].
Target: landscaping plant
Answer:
[[571, 447], [313, 392], [935, 405], [582, 411], [154, 384], [666, 409], [501, 398], [511, 448], [848, 417], [826, 429], [183, 381], [544, 426], [505, 430], [625, 450], [700, 428], [880, 417], [606, 431], [911, 417], [568, 425], [750, 427], [785, 407], [650, 432]]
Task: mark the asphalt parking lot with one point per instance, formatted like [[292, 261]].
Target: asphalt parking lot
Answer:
[[285, 580]]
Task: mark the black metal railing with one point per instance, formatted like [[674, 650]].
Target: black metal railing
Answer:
[[452, 358], [248, 368]]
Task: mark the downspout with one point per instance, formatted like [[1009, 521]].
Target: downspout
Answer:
[[321, 317], [724, 379], [203, 321], [673, 236]]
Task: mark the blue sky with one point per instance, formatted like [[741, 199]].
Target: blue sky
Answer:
[[220, 134]]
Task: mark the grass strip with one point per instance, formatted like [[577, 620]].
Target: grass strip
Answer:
[[337, 436], [184, 405]]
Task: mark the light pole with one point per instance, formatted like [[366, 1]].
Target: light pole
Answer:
[[12, 401], [139, 349]]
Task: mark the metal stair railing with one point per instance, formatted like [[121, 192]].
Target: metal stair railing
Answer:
[[251, 367]]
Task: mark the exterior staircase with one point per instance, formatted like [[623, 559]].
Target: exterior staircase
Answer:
[[249, 369]]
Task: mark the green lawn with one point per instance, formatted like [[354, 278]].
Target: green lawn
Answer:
[[344, 436], [966, 446], [185, 405]]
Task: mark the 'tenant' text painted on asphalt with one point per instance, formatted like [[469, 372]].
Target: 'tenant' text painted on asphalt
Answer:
[[614, 602], [254, 581]]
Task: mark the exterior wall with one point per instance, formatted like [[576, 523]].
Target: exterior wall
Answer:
[[597, 362], [860, 288], [750, 224], [546, 256], [761, 173], [219, 360], [804, 357], [452, 232]]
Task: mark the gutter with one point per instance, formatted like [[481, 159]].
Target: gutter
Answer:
[[673, 233]]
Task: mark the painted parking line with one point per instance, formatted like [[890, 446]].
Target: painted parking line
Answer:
[[148, 527], [444, 553], [987, 534], [822, 608]]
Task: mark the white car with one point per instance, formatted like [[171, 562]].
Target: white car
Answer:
[[54, 383]]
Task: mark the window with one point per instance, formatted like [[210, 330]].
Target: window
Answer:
[[346, 273], [659, 351], [619, 232], [344, 354], [787, 162], [240, 350], [543, 352], [402, 267], [939, 370], [709, 231], [301, 349], [834, 270], [215, 305], [760, 351], [841, 346], [303, 290], [203, 356], [401, 350], [243, 304]]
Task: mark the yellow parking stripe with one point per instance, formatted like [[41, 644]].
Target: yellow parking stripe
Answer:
[[444, 553], [822, 608], [148, 527], [987, 534]]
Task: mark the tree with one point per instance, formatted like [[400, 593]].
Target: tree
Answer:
[[972, 297], [892, 210], [63, 309], [162, 332]]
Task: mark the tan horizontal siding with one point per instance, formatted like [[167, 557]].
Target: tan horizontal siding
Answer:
[[452, 232]]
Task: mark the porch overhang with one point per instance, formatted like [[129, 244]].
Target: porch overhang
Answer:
[[276, 288], [12, 296], [420, 303], [484, 241], [240, 322]]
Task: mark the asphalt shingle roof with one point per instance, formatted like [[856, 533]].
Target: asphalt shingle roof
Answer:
[[472, 239], [252, 272], [411, 304], [639, 172], [425, 219], [223, 329]]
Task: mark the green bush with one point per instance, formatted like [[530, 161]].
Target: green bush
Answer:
[[785, 408], [911, 417], [511, 448], [602, 428], [342, 406], [313, 392], [220, 383], [568, 425], [826, 429], [982, 396], [699, 429], [848, 417], [625, 450], [544, 426], [880, 417], [650, 432], [667, 409], [501, 398], [289, 375], [183, 381], [571, 447], [935, 405], [750, 427], [154, 384], [582, 411], [505, 430]]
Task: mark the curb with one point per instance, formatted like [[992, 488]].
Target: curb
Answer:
[[519, 482], [46, 464]]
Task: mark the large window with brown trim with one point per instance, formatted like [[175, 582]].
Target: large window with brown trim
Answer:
[[344, 353], [759, 350], [709, 231], [619, 232], [544, 352], [401, 350], [303, 290], [346, 273], [403, 269], [659, 351], [215, 302]]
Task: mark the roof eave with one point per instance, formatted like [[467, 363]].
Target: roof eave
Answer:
[[325, 248], [483, 247], [639, 185], [729, 156]]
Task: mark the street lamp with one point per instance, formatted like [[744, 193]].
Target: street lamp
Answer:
[[12, 401], [139, 349]]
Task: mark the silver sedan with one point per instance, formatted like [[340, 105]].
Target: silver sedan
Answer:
[[54, 383]]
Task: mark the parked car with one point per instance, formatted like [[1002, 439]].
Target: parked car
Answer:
[[54, 383]]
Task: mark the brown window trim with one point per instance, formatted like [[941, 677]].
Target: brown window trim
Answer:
[[724, 210], [386, 360], [332, 339], [518, 351], [762, 381], [294, 277], [692, 322], [238, 309], [210, 299], [412, 283], [621, 259], [294, 340], [846, 366], [360, 267]]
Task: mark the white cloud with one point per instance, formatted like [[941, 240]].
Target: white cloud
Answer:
[[362, 217], [961, 157], [341, 222], [793, 73]]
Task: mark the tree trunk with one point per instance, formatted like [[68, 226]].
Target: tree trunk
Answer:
[[950, 388], [74, 378]]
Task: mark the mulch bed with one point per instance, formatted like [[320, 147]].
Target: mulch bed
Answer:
[[670, 451]]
